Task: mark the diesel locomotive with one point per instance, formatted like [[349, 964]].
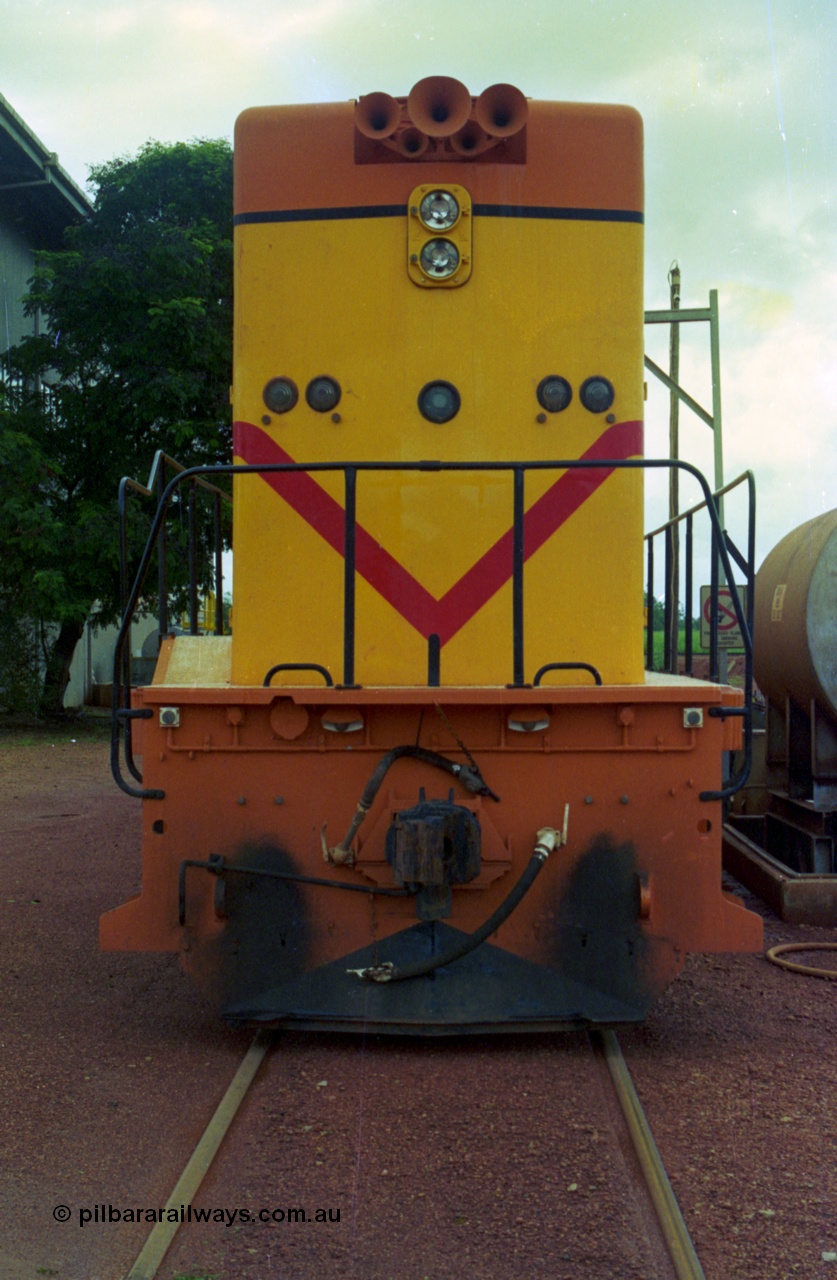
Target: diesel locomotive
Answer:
[[426, 785]]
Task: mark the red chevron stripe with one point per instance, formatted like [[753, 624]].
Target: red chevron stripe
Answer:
[[389, 577]]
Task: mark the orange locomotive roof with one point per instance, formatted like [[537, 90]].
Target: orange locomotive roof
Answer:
[[578, 156]]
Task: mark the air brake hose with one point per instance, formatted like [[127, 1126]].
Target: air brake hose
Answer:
[[548, 840], [469, 777]]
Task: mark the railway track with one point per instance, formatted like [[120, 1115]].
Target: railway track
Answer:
[[668, 1247]]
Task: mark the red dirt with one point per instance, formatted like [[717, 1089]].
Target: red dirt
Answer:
[[482, 1157]]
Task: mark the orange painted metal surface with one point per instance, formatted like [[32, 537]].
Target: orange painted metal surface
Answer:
[[260, 767]]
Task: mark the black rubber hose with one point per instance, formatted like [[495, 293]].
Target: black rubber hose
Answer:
[[469, 778], [387, 973]]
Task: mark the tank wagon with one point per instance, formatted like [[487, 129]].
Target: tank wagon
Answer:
[[426, 785]]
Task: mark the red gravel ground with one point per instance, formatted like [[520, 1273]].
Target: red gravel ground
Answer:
[[488, 1158]]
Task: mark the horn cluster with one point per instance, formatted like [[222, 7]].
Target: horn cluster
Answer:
[[440, 120]]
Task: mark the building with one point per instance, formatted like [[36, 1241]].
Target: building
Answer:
[[37, 201]]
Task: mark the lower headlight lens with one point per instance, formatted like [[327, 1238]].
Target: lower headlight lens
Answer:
[[554, 393], [439, 259], [323, 394], [597, 394], [280, 395], [439, 401]]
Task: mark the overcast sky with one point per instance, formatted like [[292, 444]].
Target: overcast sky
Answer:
[[739, 102]]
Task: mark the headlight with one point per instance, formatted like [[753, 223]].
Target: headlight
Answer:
[[323, 394], [439, 210], [280, 395], [436, 261], [597, 394], [439, 259], [439, 401], [554, 393]]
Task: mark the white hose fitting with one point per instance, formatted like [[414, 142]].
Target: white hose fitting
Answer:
[[549, 838]]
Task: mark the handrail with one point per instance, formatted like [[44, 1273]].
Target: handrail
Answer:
[[161, 464], [722, 548], [353, 470], [717, 493]]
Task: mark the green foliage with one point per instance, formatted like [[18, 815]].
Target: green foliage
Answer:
[[20, 667], [133, 354]]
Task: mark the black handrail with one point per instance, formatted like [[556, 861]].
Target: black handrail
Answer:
[[723, 550], [352, 471], [161, 464]]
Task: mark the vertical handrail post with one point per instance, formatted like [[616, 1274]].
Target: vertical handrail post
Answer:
[[219, 567], [689, 617], [193, 561], [518, 556], [649, 596], [667, 599], [673, 535], [350, 529], [714, 668], [162, 578]]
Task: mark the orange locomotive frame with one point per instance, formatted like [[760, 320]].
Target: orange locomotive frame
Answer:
[[436, 652]]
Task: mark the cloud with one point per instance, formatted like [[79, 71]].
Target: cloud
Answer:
[[738, 101]]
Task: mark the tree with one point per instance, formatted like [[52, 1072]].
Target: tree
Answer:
[[134, 353]]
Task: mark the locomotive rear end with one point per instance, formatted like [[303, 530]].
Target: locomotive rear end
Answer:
[[427, 785]]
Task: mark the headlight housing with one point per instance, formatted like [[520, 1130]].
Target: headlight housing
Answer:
[[597, 394], [554, 393], [280, 395], [439, 401], [439, 210]]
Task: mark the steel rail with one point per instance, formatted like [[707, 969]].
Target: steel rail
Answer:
[[674, 1230], [157, 1245]]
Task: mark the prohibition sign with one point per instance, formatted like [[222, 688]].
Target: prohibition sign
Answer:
[[729, 632]]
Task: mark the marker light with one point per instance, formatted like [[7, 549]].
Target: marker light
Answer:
[[528, 719], [597, 394], [554, 393], [342, 720], [323, 394], [439, 401], [280, 395], [439, 210], [439, 259]]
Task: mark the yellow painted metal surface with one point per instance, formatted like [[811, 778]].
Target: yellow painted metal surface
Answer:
[[333, 295]]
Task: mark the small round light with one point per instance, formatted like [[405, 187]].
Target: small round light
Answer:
[[439, 210], [439, 401], [554, 393], [280, 395], [323, 394], [528, 719], [439, 259], [342, 720], [597, 394]]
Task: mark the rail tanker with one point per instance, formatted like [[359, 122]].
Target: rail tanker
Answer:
[[427, 785]]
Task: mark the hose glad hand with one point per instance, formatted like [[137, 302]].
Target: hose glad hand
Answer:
[[549, 839]]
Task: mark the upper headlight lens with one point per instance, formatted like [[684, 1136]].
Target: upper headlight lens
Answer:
[[280, 395], [597, 394], [323, 394], [554, 393], [439, 259], [439, 210]]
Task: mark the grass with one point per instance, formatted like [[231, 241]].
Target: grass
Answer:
[[659, 644], [20, 730]]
